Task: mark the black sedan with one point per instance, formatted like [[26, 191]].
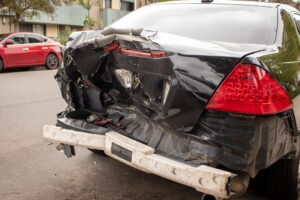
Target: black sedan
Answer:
[[206, 94]]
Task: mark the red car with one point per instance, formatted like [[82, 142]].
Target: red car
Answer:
[[28, 49]]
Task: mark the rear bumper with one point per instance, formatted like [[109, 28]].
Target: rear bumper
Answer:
[[205, 179]]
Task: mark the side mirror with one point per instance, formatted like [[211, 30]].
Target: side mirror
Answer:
[[9, 42]]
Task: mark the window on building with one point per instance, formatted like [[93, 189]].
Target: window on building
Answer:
[[35, 28], [125, 5], [25, 28], [36, 39], [107, 3], [2, 36], [18, 39], [61, 29], [39, 28]]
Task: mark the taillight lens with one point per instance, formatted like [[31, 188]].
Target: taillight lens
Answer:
[[251, 90], [112, 47], [150, 54]]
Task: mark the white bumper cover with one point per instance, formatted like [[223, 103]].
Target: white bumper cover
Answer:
[[205, 179]]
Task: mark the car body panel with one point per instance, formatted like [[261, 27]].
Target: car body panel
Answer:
[[282, 60], [80, 36], [12, 52], [37, 54]]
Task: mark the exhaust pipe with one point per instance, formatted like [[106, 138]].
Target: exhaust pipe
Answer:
[[238, 186], [210, 197]]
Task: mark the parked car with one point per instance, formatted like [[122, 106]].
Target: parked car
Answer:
[[204, 94], [24, 49]]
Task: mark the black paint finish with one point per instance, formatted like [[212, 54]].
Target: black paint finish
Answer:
[[180, 127]]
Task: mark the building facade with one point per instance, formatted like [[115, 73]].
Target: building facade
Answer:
[[103, 12], [49, 25], [111, 10]]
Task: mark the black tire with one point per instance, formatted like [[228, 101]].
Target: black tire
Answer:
[[282, 178], [52, 61], [1, 65], [96, 151]]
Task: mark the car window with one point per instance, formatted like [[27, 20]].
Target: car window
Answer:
[[44, 39], [2, 36], [36, 39], [207, 22], [18, 39]]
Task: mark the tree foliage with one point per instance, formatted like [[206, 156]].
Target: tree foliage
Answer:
[[293, 3], [64, 35], [28, 8], [89, 21]]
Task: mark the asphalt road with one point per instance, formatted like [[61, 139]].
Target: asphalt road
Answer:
[[31, 169]]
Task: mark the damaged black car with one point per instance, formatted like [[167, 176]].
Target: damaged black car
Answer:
[[206, 94]]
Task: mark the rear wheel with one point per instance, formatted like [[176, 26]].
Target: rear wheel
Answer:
[[1, 65], [52, 61], [282, 178]]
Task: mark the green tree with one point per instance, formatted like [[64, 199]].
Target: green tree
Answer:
[[89, 21], [293, 3], [64, 35], [28, 8]]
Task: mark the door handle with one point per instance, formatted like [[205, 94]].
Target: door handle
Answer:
[[25, 49], [45, 48]]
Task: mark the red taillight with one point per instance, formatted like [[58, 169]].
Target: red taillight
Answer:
[[132, 52], [251, 90], [111, 47]]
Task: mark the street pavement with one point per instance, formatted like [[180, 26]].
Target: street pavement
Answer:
[[31, 169]]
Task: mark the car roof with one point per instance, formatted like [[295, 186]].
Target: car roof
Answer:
[[222, 2], [13, 33], [24, 33]]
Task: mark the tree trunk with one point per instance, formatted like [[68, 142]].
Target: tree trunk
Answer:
[[16, 24], [9, 20]]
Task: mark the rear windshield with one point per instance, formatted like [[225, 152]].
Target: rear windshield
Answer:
[[207, 22]]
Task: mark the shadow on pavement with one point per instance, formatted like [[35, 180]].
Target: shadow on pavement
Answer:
[[106, 178], [22, 69]]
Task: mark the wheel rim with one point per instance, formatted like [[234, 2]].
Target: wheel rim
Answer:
[[52, 61]]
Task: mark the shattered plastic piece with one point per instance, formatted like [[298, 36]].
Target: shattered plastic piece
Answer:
[[125, 77]]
